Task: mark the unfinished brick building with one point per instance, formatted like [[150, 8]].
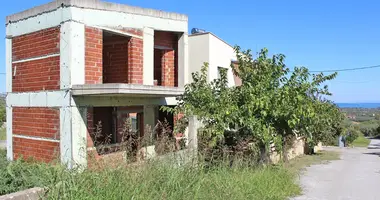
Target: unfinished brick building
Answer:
[[71, 63]]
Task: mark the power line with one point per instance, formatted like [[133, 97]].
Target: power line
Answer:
[[347, 69], [331, 70]]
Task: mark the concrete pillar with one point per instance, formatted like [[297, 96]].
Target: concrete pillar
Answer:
[[8, 88], [72, 58], [72, 71], [183, 69], [65, 136], [194, 125], [150, 116], [9, 134], [148, 56], [79, 136], [73, 141]]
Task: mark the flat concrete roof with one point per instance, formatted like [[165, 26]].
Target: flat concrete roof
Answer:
[[94, 4], [210, 33], [132, 90]]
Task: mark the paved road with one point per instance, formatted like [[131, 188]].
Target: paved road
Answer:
[[355, 177]]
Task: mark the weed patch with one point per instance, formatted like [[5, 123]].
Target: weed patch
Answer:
[[159, 179], [361, 141], [3, 135]]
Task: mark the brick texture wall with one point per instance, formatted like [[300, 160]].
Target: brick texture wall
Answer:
[[119, 60], [115, 59], [40, 74], [40, 150], [93, 55], [36, 44], [169, 70], [135, 61], [36, 75], [36, 122], [135, 56], [90, 126]]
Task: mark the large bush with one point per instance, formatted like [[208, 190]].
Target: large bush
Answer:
[[272, 105]]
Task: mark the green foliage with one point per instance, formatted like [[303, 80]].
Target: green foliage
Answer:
[[2, 110], [352, 134], [273, 104], [154, 180], [361, 141], [158, 179], [2, 114], [370, 128], [3, 134]]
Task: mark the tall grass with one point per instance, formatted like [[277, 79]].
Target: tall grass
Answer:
[[361, 141], [3, 133], [173, 176], [157, 179]]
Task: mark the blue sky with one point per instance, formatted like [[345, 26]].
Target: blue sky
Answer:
[[321, 34]]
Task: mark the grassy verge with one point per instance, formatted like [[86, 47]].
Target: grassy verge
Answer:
[[361, 141], [159, 180], [301, 162], [3, 134]]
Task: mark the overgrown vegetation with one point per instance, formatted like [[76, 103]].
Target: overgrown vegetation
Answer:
[[159, 179], [3, 135], [361, 141], [2, 109], [2, 118], [273, 105]]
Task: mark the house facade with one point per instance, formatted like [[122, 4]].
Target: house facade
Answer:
[[73, 63], [208, 48]]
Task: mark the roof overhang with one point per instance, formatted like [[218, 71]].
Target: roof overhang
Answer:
[[125, 90]]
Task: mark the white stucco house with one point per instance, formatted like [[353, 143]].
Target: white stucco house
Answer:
[[207, 47]]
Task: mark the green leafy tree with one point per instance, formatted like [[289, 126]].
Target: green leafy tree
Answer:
[[273, 105]]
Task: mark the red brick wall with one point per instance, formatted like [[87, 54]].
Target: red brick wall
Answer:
[[135, 61], [41, 74], [135, 56], [93, 56], [165, 39], [168, 68], [169, 59], [40, 150], [36, 44], [90, 126], [36, 75], [115, 59], [37, 122]]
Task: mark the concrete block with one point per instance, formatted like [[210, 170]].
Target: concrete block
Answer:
[[30, 194]]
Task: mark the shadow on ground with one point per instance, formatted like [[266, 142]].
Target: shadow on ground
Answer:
[[375, 143], [373, 153]]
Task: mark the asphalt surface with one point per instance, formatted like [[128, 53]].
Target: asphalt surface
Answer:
[[355, 177]]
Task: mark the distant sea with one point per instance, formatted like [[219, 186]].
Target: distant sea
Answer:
[[358, 105]]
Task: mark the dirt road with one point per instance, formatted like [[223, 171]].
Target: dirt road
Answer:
[[355, 177]]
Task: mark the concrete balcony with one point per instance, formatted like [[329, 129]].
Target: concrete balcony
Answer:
[[131, 90]]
